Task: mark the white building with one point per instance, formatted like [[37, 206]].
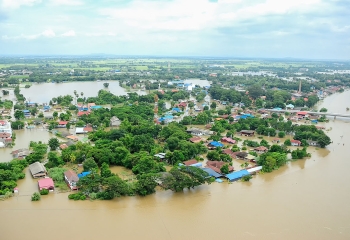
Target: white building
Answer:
[[5, 127]]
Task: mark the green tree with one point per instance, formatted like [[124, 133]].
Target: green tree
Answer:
[[323, 110], [36, 196], [105, 171], [146, 183], [281, 134], [89, 164], [17, 125], [55, 114], [19, 114], [287, 142], [224, 169], [213, 105], [106, 85], [54, 144]]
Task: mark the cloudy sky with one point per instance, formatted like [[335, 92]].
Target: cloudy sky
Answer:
[[313, 29]]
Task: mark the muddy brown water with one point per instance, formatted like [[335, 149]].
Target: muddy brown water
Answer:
[[306, 199]]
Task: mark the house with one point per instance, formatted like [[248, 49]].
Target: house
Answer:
[[115, 122], [190, 162], [71, 179], [247, 133], [63, 146], [215, 144], [302, 114], [62, 124], [312, 143], [72, 137], [295, 142], [26, 113], [290, 106], [217, 165], [20, 153], [261, 149], [196, 132], [229, 152], [95, 107], [237, 175], [161, 156], [195, 139], [176, 110], [228, 140], [89, 105], [88, 129], [212, 173], [241, 155], [182, 104], [250, 158], [46, 183], [5, 137], [80, 113], [37, 170]]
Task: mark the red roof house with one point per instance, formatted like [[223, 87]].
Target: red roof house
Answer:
[[295, 142], [228, 140], [190, 162], [46, 183], [83, 113], [261, 149], [217, 165], [195, 139]]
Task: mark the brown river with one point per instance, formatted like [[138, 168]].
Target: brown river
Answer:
[[306, 199]]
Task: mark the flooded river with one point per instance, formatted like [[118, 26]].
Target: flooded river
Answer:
[[307, 199]]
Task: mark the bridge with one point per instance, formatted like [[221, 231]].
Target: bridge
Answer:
[[312, 113]]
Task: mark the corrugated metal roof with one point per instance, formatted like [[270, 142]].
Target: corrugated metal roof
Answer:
[[212, 173], [237, 175]]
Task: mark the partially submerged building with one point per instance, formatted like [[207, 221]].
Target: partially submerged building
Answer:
[[37, 170]]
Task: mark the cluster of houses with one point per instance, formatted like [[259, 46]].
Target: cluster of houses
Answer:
[[5, 133], [38, 170]]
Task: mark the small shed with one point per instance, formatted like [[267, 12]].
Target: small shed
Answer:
[[83, 174]]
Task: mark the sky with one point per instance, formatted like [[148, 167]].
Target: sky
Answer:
[[308, 29]]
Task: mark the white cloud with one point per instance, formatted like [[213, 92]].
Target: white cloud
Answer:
[[48, 33], [70, 33], [13, 4], [66, 2]]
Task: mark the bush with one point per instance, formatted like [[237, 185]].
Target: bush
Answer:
[[77, 196], [44, 192], [36, 196], [246, 178]]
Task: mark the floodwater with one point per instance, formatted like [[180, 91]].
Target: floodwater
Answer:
[[44, 92], [23, 138], [306, 199], [50, 90]]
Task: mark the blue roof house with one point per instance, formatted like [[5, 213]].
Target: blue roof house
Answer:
[[216, 144], [236, 175], [176, 109], [95, 107]]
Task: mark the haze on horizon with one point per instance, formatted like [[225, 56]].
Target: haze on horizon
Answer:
[[310, 29]]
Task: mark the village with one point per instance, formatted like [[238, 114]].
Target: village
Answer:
[[241, 148]]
